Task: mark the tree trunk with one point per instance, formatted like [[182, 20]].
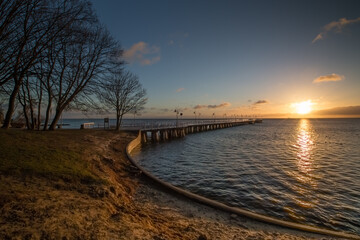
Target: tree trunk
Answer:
[[47, 116], [11, 106], [31, 107], [24, 106], [39, 111], [56, 119], [118, 122], [27, 122]]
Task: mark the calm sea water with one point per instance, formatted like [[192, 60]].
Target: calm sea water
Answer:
[[303, 170]]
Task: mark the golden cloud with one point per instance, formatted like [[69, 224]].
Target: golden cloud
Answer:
[[221, 105], [329, 78], [142, 53], [261, 102], [335, 26]]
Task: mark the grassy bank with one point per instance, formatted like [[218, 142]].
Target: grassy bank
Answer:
[[45, 154]]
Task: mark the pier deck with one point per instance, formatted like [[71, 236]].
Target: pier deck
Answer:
[[164, 133]]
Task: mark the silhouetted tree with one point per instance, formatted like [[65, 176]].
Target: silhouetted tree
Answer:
[[35, 25], [9, 23], [82, 59], [123, 93]]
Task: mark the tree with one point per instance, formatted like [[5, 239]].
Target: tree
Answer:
[[9, 23], [35, 25], [83, 59], [123, 93]]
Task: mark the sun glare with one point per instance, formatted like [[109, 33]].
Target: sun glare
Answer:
[[303, 107]]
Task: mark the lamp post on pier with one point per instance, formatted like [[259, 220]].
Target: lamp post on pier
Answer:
[[177, 116]]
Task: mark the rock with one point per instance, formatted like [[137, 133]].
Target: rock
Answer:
[[233, 216]]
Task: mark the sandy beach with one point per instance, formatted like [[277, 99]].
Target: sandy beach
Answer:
[[125, 205]]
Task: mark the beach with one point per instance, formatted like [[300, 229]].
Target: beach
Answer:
[[120, 203]]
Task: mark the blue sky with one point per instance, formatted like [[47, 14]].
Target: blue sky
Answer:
[[239, 57]]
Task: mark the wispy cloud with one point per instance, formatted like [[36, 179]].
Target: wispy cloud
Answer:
[[350, 110], [142, 53], [180, 89], [261, 102], [221, 105], [159, 110], [329, 78], [335, 26]]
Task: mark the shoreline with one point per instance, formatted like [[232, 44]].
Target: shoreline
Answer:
[[232, 210], [124, 205]]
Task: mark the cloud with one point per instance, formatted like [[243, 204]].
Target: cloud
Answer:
[[342, 111], [158, 110], [329, 78], [335, 26], [180, 89], [199, 106], [142, 53], [221, 105], [261, 102]]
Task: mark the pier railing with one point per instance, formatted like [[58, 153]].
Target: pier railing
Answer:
[[147, 126], [168, 131]]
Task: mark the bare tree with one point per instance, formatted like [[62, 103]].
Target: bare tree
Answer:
[[9, 23], [123, 93], [83, 58], [37, 24]]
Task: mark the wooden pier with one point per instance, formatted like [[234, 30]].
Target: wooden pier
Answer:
[[167, 133]]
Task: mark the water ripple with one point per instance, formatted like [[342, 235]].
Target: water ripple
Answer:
[[305, 171]]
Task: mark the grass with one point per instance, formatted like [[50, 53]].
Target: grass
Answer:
[[56, 154]]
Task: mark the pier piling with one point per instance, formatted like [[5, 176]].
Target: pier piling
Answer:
[[164, 134]]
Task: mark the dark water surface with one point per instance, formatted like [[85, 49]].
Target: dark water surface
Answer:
[[303, 170]]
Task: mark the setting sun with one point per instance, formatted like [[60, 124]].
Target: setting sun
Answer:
[[303, 107]]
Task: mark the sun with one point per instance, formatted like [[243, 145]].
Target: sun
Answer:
[[303, 107]]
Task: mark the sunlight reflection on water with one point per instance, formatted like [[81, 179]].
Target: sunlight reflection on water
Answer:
[[302, 170], [305, 144], [305, 174]]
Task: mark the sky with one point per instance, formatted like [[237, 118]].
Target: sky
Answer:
[[263, 58]]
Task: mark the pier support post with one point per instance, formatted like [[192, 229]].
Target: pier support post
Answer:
[[154, 136], [182, 132], [143, 136], [164, 135]]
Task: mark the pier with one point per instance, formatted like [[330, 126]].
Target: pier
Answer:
[[163, 134], [157, 134]]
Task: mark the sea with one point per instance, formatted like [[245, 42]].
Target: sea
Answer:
[[300, 170]]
